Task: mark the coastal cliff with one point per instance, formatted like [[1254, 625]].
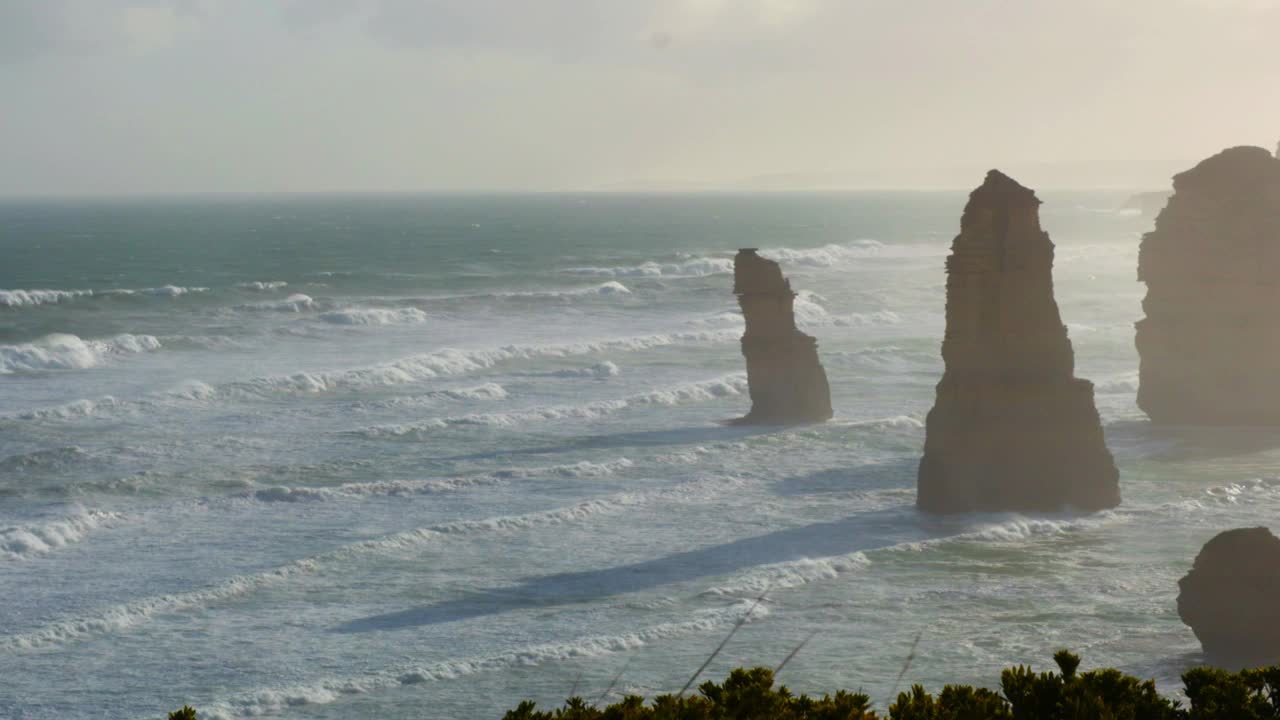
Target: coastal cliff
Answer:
[[1012, 429], [1210, 337], [786, 381]]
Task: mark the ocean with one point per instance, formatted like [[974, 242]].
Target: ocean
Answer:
[[425, 456]]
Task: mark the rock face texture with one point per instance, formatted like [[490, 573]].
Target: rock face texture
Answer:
[[1231, 597], [1211, 335], [786, 381], [1012, 428]]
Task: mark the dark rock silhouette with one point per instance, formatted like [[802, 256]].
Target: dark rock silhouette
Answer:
[[1211, 335], [1231, 598], [786, 381], [1012, 428]]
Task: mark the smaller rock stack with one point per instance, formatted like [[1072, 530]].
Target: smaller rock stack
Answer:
[[787, 383], [1012, 428], [1209, 342], [1231, 598]]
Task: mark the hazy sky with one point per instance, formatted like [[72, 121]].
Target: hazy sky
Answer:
[[123, 96]]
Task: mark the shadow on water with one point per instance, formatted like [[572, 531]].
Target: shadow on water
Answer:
[[863, 531]]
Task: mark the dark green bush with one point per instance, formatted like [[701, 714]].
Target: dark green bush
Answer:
[[1105, 694]]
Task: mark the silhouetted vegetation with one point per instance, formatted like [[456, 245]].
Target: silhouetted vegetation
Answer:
[[1104, 694]]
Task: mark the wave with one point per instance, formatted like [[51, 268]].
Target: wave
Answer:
[[262, 286], [826, 255], [27, 298], [1019, 530], [795, 573], [695, 267], [726, 386], [613, 287], [1124, 384], [810, 312], [295, 303], [31, 298], [374, 316], [584, 469], [449, 361], [24, 542], [45, 459], [69, 352], [124, 616], [599, 371], [272, 700]]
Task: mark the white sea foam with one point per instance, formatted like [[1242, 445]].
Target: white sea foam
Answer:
[[26, 541], [1123, 384], [810, 312], [726, 386], [164, 291], [599, 371], [69, 352], [273, 700], [374, 316], [826, 255], [125, 616], [449, 361], [1020, 530], [584, 469], [263, 286], [694, 267], [793, 573], [613, 287], [295, 303], [28, 298]]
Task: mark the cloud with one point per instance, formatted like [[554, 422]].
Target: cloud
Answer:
[[34, 28]]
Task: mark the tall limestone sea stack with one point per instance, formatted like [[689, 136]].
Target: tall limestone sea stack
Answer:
[[1211, 336], [785, 379], [1012, 428]]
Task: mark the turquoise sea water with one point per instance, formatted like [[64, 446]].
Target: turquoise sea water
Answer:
[[426, 456]]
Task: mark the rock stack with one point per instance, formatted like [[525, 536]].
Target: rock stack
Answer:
[[1012, 428], [1211, 335], [786, 381], [1231, 598]]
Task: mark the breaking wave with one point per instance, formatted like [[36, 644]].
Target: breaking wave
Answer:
[[809, 311], [30, 298], [584, 469], [449, 361], [374, 316], [726, 386], [262, 286], [26, 298], [125, 616], [69, 352], [26, 541], [272, 700], [599, 371], [695, 267], [295, 303]]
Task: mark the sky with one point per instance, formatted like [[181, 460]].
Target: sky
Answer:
[[192, 96]]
